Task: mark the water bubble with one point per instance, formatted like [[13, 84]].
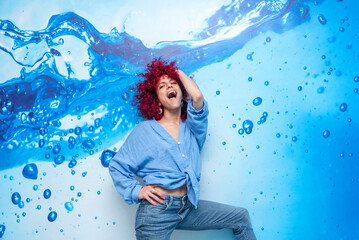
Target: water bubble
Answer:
[[97, 123], [322, 19], [218, 92], [268, 39], [223, 143], [320, 90], [35, 187], [250, 79], [2, 230], [30, 171], [78, 130], [266, 83], [41, 143], [300, 88], [52, 216], [91, 129], [59, 159], [248, 130], [234, 125], [343, 107], [47, 193], [294, 139], [356, 90], [125, 96], [265, 114], [43, 131], [47, 155], [79, 194], [89, 144], [98, 192], [91, 152], [241, 131], [324, 57], [106, 157], [28, 200], [326, 133], [38, 207], [21, 204], [56, 149], [16, 198], [341, 29], [250, 56], [356, 79], [257, 101], [247, 124], [84, 174], [71, 140], [72, 163], [69, 207], [278, 135], [263, 119]]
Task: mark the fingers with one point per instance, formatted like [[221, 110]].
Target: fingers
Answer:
[[158, 192], [151, 195]]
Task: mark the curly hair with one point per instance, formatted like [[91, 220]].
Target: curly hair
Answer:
[[146, 97]]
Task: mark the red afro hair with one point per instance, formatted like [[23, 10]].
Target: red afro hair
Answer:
[[146, 97]]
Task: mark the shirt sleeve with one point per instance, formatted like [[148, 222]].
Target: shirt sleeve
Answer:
[[197, 121], [122, 168]]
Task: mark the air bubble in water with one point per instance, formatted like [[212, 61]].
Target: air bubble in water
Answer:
[[89, 144], [69, 207], [247, 124], [59, 159], [326, 133], [78, 131], [106, 157], [47, 194], [56, 149], [52, 216], [2, 230], [343, 107], [257, 101], [16, 198], [30, 171], [322, 19]]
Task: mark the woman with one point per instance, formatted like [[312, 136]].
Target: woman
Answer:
[[165, 152]]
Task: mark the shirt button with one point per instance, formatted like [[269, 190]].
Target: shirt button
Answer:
[[182, 155]]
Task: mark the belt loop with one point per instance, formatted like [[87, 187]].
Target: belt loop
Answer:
[[171, 200]]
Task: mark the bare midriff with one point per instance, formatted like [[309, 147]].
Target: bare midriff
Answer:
[[177, 191]]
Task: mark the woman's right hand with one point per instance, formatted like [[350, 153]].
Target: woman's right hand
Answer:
[[150, 193]]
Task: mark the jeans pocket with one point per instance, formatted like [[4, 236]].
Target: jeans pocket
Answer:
[[155, 210]]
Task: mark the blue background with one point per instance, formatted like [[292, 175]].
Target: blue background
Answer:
[[66, 70]]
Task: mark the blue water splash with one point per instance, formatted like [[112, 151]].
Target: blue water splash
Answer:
[[50, 87]]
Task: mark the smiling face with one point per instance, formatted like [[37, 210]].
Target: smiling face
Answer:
[[169, 93]]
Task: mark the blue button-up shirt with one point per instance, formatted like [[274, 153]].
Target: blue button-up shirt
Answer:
[[152, 154]]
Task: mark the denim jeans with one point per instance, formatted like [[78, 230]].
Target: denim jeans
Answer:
[[177, 212]]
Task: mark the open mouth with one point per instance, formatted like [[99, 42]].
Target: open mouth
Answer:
[[172, 94]]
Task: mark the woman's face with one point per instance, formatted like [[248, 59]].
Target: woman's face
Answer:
[[169, 93]]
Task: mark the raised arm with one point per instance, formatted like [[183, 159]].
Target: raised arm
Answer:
[[192, 89]]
